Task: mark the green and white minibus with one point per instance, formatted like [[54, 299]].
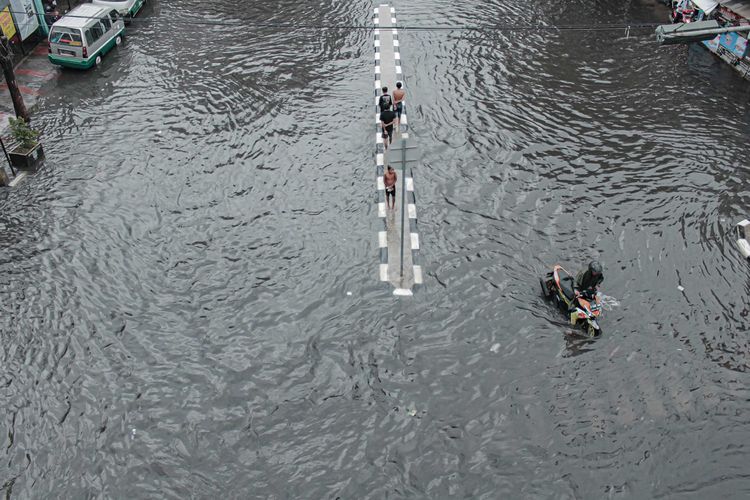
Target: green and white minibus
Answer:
[[126, 8], [83, 35]]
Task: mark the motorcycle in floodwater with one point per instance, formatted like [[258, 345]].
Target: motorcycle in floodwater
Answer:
[[584, 310]]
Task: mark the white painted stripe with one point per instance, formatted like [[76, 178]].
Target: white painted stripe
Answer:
[[381, 184], [382, 239], [414, 241], [376, 32], [376, 9], [412, 209], [409, 184], [403, 118], [377, 84], [395, 32], [377, 100], [393, 10], [393, 20], [398, 70], [379, 138], [376, 21], [397, 55], [379, 159], [383, 272], [381, 209], [405, 135], [377, 43], [377, 118], [402, 292], [377, 69], [395, 42], [417, 275], [18, 179], [377, 56]]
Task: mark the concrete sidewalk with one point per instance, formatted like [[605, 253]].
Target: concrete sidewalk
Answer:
[[31, 74]]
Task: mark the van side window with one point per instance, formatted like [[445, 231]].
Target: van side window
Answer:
[[105, 22], [96, 31], [89, 37]]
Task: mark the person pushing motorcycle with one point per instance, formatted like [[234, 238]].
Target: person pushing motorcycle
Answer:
[[588, 280], [577, 296]]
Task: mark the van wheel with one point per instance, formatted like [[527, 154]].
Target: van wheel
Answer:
[[98, 60], [118, 40]]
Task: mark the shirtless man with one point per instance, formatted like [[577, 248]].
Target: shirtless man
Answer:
[[389, 179], [398, 103]]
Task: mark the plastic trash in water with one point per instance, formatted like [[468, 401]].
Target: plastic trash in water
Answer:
[[608, 302], [495, 348], [132, 434], [681, 288]]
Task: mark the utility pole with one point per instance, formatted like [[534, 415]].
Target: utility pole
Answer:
[[6, 60], [408, 153], [670, 34]]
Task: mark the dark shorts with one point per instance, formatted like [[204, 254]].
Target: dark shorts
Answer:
[[390, 191], [389, 132], [399, 109]]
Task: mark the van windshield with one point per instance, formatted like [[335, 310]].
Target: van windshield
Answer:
[[66, 36]]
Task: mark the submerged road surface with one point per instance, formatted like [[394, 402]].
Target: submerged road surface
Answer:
[[189, 306]]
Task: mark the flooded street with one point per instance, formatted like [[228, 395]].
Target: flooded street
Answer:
[[176, 311]]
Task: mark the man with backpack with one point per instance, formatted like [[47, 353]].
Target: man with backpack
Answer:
[[385, 102]]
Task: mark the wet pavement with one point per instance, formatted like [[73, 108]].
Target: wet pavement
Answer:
[[189, 303], [32, 74]]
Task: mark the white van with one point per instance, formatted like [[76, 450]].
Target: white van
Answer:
[[126, 8], [83, 35]]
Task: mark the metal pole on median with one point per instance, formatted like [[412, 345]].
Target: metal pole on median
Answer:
[[403, 201], [5, 152], [409, 154]]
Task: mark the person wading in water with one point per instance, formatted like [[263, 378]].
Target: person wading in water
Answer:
[[398, 104], [387, 119], [389, 179]]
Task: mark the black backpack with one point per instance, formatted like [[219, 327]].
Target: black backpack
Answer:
[[385, 102]]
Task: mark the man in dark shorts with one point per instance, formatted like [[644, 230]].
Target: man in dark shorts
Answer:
[[387, 119], [389, 179], [398, 103]]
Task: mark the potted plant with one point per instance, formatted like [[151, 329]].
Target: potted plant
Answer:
[[27, 152]]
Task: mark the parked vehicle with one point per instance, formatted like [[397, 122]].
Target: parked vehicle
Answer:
[[126, 8], [84, 35]]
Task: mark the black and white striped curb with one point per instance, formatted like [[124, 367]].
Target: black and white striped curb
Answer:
[[379, 156]]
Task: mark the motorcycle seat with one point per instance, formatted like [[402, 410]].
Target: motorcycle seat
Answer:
[[566, 285]]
